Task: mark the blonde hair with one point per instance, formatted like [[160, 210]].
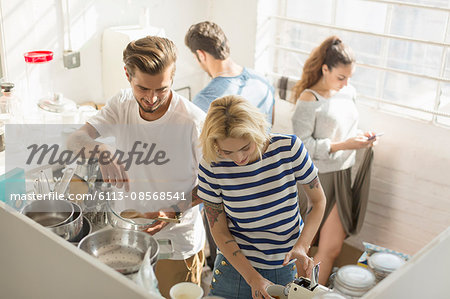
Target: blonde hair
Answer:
[[232, 117], [331, 52]]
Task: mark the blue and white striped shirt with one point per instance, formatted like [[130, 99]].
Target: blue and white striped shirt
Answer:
[[260, 198]]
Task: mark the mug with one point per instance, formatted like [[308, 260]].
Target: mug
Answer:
[[186, 290], [276, 291]]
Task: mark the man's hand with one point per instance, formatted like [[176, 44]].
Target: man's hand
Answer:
[[158, 225], [112, 171]]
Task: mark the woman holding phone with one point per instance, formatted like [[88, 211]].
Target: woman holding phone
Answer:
[[326, 120]]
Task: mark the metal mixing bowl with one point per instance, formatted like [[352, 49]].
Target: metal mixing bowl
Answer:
[[121, 249], [49, 213], [118, 221], [85, 230], [72, 228]]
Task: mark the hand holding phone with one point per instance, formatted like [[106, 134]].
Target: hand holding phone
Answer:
[[374, 136]]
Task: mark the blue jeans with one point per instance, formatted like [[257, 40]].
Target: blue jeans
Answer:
[[229, 284]]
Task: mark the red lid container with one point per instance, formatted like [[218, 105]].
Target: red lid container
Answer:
[[38, 56]]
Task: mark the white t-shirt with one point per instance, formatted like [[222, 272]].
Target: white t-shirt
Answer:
[[164, 163]]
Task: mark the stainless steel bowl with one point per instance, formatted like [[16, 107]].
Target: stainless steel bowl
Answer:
[[49, 213], [85, 230], [116, 220], [122, 250], [72, 228]]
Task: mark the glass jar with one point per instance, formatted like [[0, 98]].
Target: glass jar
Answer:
[[353, 281], [384, 263], [2, 136], [39, 84], [38, 70], [10, 105]]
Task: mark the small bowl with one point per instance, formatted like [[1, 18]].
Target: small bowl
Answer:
[[85, 230], [49, 213], [70, 229], [138, 224], [277, 290]]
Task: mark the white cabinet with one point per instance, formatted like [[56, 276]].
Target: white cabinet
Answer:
[[36, 263]]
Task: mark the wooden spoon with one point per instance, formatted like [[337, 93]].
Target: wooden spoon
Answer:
[[130, 214]]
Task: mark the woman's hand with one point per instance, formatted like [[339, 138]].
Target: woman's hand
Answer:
[[301, 254], [259, 286], [358, 142]]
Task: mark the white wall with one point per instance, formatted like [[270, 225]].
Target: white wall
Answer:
[[238, 21], [409, 202], [38, 25], [410, 194]]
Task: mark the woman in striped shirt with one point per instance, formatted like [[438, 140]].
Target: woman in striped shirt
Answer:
[[248, 183]]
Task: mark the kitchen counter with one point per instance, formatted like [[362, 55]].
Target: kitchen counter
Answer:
[[425, 275], [36, 263]]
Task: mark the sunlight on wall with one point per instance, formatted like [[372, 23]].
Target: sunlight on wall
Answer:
[[83, 25]]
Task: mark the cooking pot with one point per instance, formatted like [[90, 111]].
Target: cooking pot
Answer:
[[72, 228], [121, 249], [85, 230], [49, 213]]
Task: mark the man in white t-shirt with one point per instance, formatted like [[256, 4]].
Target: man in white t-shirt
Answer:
[[156, 154]]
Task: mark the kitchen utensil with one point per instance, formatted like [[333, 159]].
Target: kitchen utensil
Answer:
[[300, 289], [186, 290], [71, 228], [62, 185], [49, 213], [41, 184], [122, 250], [85, 230], [116, 220], [314, 277], [277, 291], [130, 214]]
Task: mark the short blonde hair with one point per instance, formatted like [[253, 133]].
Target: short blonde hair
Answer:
[[232, 117]]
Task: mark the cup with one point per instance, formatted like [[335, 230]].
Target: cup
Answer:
[[186, 290], [276, 291]]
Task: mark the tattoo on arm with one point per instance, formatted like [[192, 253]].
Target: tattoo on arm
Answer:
[[230, 241], [314, 183], [236, 252], [195, 197], [213, 211]]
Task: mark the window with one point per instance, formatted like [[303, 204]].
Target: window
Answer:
[[402, 49]]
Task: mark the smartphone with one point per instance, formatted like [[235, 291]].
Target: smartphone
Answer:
[[376, 135]]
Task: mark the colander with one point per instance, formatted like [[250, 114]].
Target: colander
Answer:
[[121, 249]]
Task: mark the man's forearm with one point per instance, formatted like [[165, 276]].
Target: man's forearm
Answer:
[[84, 140], [81, 140]]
